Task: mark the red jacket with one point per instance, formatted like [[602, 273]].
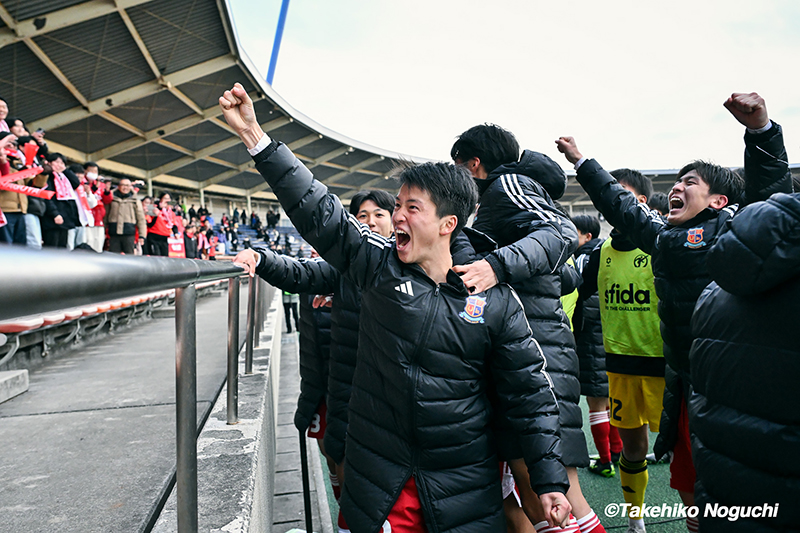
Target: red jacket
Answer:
[[99, 211]]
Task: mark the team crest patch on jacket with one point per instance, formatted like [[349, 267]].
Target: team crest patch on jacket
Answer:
[[473, 311], [694, 238]]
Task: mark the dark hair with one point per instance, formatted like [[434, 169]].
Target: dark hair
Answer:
[[162, 195], [490, 143], [451, 188], [91, 164], [587, 224], [382, 199], [720, 180], [659, 202], [52, 156], [76, 168], [10, 121], [635, 180]]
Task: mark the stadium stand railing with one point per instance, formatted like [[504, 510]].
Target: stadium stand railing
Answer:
[[54, 299]]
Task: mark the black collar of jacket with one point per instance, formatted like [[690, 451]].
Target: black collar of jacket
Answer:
[[122, 196], [706, 214], [536, 166], [454, 284]]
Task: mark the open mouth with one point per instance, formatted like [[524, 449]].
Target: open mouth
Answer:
[[402, 238], [675, 203]]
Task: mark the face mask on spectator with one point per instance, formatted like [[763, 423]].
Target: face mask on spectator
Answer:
[[91, 175]]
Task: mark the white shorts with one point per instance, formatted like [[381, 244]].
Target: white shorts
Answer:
[[508, 483]]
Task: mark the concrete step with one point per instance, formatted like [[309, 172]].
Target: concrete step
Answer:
[[13, 383]]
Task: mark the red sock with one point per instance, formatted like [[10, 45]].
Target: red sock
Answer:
[[572, 527], [591, 524], [598, 421], [614, 440], [337, 489], [341, 523]]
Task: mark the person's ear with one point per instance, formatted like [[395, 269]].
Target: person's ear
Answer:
[[642, 198], [718, 201], [447, 224]]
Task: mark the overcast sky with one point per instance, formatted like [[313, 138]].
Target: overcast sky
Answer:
[[637, 83]]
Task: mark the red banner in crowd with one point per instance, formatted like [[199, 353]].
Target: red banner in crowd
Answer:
[[26, 190], [176, 247], [21, 175]]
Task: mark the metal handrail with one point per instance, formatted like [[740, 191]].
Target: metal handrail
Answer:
[[33, 282], [40, 281]]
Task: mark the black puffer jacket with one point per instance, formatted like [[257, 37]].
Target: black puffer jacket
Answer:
[[420, 403], [679, 254], [745, 364], [588, 329], [535, 239], [67, 209], [307, 277], [345, 316], [315, 345], [319, 277]]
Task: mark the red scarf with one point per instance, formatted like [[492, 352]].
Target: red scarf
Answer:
[[169, 217], [64, 188]]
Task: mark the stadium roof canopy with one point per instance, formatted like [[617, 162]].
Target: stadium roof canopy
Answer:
[[133, 85]]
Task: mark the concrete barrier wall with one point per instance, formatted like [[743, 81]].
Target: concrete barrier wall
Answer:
[[236, 462]]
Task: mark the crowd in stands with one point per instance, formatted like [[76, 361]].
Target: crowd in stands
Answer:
[[71, 205], [419, 382]]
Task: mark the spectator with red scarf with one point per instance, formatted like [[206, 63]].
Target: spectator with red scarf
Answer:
[[160, 227], [95, 236], [61, 213]]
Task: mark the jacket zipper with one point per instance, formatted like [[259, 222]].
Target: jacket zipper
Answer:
[[432, 305]]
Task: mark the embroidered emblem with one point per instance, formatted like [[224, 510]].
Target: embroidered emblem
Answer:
[[473, 311], [694, 238]]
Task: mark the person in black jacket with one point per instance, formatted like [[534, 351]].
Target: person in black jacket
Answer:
[[745, 365], [518, 210], [588, 333], [703, 198], [61, 212], [433, 360], [370, 207]]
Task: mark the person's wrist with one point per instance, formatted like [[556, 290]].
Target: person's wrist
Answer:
[[761, 127], [251, 136]]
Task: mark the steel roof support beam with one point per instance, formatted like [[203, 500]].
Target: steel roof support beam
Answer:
[[331, 182], [303, 141], [137, 92], [311, 163], [47, 62], [26, 29], [205, 153], [152, 135]]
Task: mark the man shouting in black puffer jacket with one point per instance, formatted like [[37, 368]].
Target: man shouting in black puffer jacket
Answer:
[[433, 360]]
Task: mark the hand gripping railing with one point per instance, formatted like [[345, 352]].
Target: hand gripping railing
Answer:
[[33, 282]]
